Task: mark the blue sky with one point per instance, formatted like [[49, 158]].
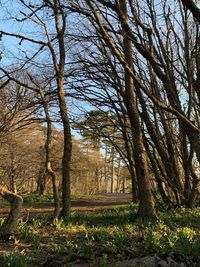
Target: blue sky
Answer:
[[10, 47]]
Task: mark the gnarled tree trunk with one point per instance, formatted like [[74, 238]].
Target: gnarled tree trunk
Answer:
[[55, 189]]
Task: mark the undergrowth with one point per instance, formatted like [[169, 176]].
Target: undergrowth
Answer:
[[103, 238]]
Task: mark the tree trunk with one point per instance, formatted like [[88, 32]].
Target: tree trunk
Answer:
[[112, 184], [124, 185], [131, 165], [118, 176], [66, 203], [105, 170], [13, 187], [134, 183], [192, 6], [48, 168], [146, 205], [97, 169], [158, 176], [41, 181], [96, 177], [41, 184], [59, 65], [168, 162], [55, 190], [15, 202]]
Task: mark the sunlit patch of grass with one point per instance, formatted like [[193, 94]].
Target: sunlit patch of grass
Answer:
[[188, 241], [160, 238], [182, 217], [37, 200], [163, 238]]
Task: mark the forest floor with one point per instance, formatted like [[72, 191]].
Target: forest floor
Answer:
[[38, 205], [102, 231]]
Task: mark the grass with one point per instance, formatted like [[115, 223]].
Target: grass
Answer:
[[14, 260], [102, 238], [32, 200]]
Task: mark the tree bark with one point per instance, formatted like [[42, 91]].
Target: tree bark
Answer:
[[124, 185], [146, 205], [55, 190], [105, 170], [41, 183], [112, 183], [60, 17], [131, 164], [15, 202], [66, 203], [193, 8], [134, 183], [118, 176]]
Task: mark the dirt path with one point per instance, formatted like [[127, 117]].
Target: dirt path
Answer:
[[92, 203]]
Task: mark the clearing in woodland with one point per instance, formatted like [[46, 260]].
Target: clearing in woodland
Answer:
[[102, 230]]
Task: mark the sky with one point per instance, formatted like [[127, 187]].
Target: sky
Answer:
[[13, 52]]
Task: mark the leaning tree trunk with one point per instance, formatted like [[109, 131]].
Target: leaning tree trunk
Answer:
[[146, 204], [131, 164], [15, 202]]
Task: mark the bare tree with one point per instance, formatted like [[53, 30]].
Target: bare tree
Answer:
[[165, 63], [48, 146], [54, 43], [12, 118]]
